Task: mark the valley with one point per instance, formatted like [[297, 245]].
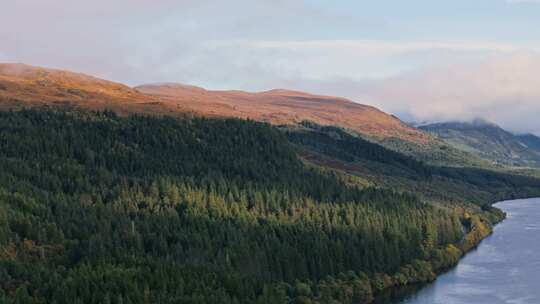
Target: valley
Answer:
[[489, 141]]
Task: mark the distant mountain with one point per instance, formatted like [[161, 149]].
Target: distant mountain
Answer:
[[489, 141], [25, 86]]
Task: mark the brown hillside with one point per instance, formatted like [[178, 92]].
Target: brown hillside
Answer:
[[285, 107], [23, 86]]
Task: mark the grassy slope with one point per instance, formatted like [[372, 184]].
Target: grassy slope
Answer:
[[490, 142], [442, 185]]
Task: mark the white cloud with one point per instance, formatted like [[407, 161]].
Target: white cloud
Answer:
[[384, 46], [501, 88], [138, 41], [419, 80], [320, 60]]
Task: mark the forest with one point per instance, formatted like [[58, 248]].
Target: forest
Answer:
[[99, 208]]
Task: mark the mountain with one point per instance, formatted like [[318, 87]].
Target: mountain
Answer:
[[23, 86], [489, 141]]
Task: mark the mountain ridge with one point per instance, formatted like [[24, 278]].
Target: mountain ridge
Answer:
[[489, 141], [280, 106]]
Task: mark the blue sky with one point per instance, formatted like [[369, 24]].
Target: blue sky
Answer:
[[456, 20], [423, 60]]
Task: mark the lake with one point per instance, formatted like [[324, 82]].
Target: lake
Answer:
[[505, 268]]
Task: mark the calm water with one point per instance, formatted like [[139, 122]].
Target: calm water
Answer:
[[504, 269]]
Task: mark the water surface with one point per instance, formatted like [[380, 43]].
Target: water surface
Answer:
[[504, 269]]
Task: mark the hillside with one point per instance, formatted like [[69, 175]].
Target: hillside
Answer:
[[23, 86], [489, 141], [373, 164], [286, 107], [101, 208], [147, 210]]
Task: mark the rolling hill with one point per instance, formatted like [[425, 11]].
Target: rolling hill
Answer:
[[24, 85], [285, 107], [489, 141]]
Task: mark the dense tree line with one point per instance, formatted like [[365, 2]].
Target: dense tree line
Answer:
[[96, 208]]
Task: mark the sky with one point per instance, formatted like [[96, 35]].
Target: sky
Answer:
[[424, 61]]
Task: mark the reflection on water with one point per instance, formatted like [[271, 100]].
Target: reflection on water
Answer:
[[505, 269]]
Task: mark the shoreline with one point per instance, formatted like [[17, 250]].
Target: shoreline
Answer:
[[395, 292]]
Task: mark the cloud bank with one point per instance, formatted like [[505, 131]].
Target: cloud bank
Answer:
[[420, 81], [501, 88]]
